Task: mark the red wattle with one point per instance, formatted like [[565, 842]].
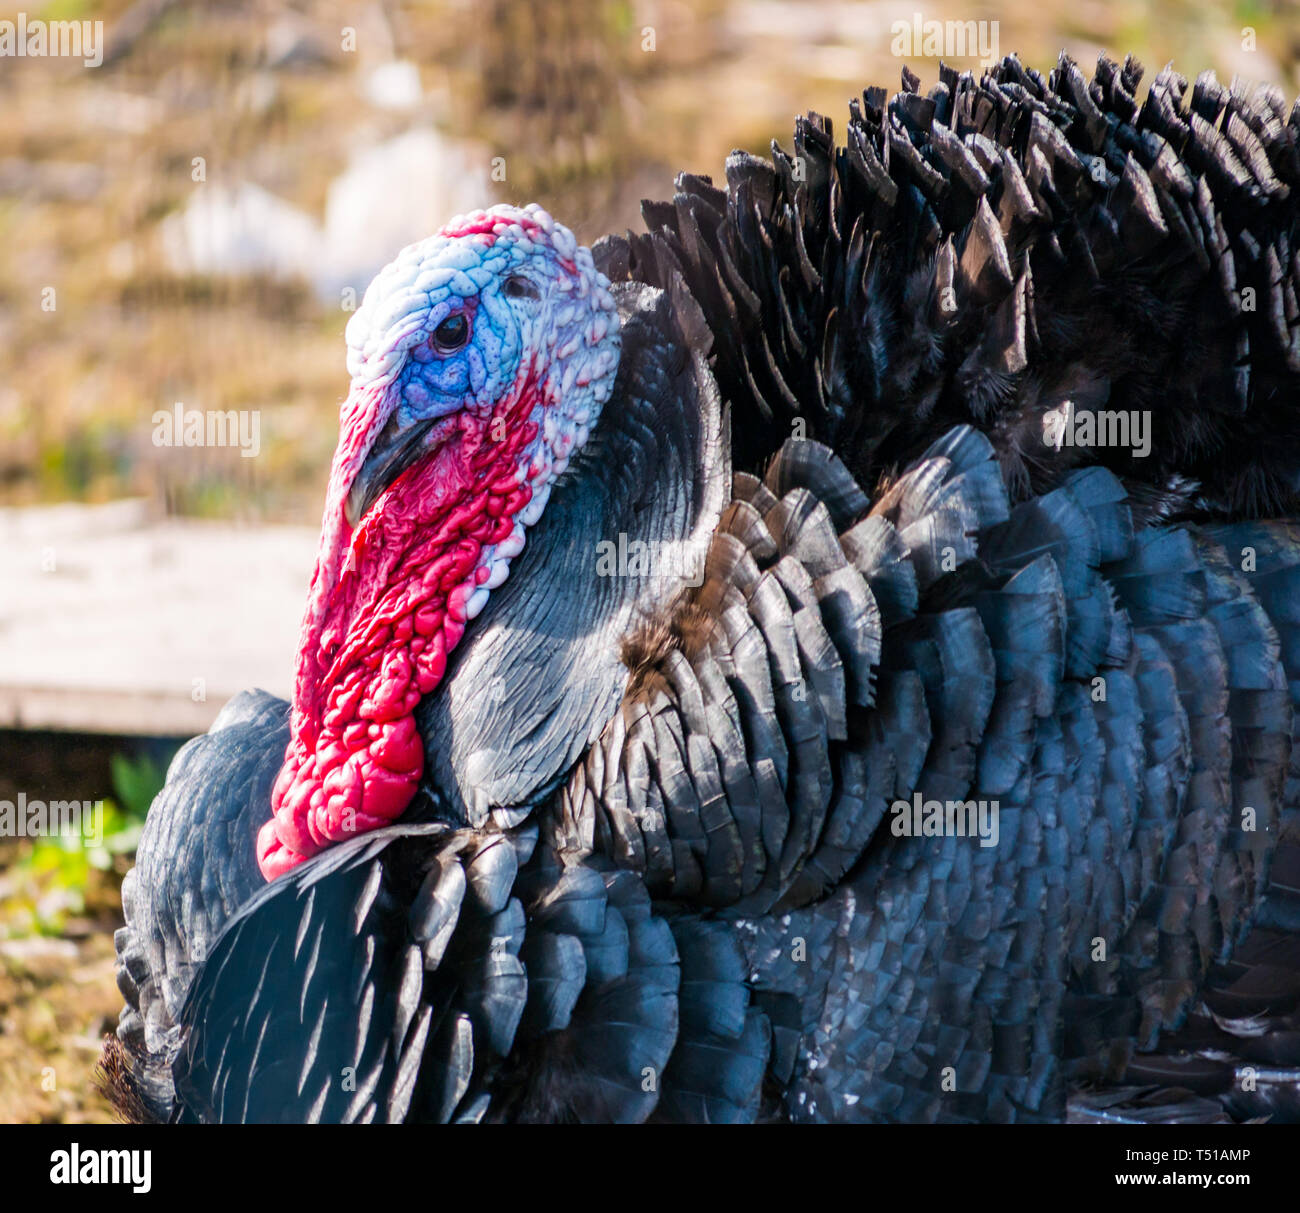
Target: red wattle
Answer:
[[387, 605]]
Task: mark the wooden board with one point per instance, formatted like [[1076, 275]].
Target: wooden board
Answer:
[[113, 620]]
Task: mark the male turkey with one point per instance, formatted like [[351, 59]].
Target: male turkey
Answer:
[[646, 830]]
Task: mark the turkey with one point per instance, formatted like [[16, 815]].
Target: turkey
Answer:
[[750, 675]]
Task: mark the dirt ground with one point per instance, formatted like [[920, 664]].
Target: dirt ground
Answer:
[[57, 1000], [58, 996]]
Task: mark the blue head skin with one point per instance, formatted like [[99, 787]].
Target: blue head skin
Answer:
[[462, 321]]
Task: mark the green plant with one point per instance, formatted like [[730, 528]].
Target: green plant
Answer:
[[56, 877], [135, 783], [53, 878]]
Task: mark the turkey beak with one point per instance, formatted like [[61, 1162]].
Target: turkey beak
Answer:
[[395, 450]]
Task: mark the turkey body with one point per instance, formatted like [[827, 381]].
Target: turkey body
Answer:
[[677, 853]]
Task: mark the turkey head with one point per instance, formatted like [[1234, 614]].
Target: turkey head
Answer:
[[480, 359]]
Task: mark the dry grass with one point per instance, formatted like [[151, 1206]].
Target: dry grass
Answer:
[[587, 117]]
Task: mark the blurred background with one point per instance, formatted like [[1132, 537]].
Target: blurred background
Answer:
[[185, 226]]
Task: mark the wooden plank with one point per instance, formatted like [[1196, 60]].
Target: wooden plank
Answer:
[[114, 620]]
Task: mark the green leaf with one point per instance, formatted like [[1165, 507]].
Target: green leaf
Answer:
[[136, 783]]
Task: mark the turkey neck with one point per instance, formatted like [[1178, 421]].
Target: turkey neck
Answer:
[[541, 670]]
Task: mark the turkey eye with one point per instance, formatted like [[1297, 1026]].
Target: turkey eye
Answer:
[[519, 287], [450, 335]]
